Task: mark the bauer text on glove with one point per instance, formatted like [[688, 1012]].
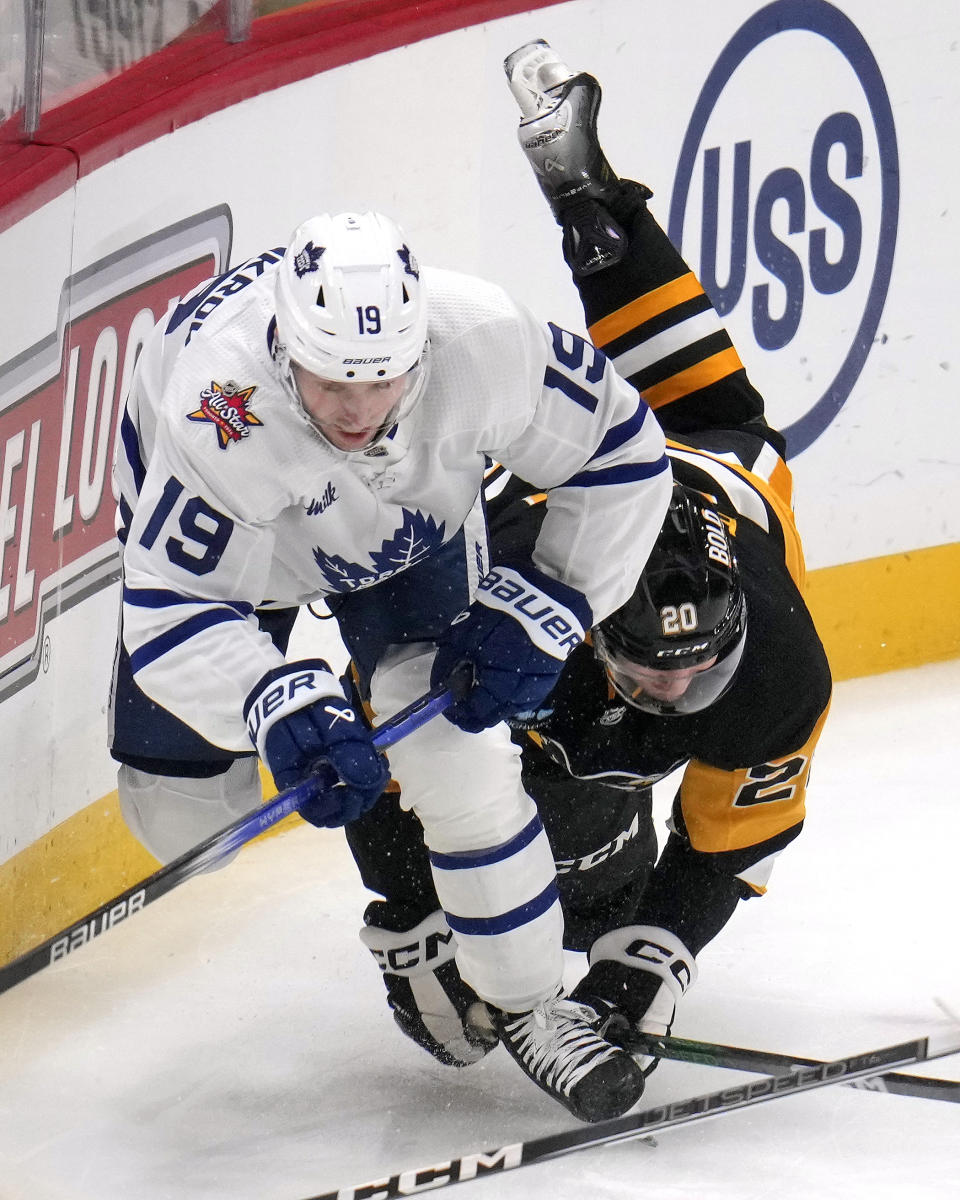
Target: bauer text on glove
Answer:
[[303, 725], [517, 635]]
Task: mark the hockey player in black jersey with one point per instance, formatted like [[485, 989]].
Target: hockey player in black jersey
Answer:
[[713, 668]]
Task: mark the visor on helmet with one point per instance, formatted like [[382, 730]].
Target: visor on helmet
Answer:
[[704, 684], [414, 381], [687, 611]]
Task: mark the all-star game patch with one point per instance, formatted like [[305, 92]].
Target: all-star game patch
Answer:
[[228, 407]]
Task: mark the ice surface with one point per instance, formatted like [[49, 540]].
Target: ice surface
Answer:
[[232, 1041]]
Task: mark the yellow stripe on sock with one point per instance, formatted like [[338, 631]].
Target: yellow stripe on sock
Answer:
[[700, 375], [668, 296]]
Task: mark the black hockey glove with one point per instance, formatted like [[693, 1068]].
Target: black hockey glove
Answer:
[[637, 974], [303, 725], [516, 635], [430, 1002]]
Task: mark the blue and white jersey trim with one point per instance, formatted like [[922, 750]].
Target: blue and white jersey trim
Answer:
[[624, 473], [626, 431], [174, 638], [164, 598]]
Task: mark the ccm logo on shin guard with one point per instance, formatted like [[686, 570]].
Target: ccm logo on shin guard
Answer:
[[661, 958], [648, 948], [551, 626], [416, 951], [412, 959]]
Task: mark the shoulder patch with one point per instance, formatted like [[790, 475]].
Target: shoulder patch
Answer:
[[227, 407]]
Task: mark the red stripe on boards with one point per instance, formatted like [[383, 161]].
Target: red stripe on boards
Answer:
[[203, 74]]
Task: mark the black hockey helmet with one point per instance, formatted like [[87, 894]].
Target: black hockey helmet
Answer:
[[688, 610]]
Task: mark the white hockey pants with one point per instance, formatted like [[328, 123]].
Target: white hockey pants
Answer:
[[169, 815], [491, 861]]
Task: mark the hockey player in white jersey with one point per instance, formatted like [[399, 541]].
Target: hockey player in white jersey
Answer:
[[713, 669], [315, 424]]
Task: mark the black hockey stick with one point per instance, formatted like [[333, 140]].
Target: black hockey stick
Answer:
[[769, 1062], [666, 1116], [208, 852]]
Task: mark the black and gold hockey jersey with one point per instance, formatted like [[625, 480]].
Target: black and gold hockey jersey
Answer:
[[746, 759]]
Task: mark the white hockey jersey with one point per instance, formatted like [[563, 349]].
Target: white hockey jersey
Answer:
[[228, 499]]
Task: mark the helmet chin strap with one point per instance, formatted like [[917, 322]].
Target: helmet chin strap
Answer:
[[289, 381], [388, 423]]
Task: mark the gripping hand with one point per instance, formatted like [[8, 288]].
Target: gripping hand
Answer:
[[431, 1004], [302, 724], [637, 974], [516, 636]]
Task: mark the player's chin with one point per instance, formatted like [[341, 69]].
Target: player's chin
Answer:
[[345, 439]]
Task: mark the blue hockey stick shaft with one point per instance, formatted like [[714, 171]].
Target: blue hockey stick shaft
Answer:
[[388, 734], [412, 717], [208, 853], [281, 806]]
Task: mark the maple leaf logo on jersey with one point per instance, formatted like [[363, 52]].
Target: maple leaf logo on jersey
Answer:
[[227, 407], [308, 259], [410, 264], [416, 538]]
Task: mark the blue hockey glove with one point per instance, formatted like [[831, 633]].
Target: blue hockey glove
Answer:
[[302, 724], [516, 636]]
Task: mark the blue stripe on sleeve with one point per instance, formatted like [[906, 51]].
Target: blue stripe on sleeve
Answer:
[[522, 915], [150, 651], [483, 858], [131, 447], [625, 473], [126, 516], [556, 379], [618, 435], [164, 598]]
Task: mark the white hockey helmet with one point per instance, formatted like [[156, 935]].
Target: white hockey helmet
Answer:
[[350, 305]]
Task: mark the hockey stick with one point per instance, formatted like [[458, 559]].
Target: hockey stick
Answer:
[[768, 1062], [666, 1116], [207, 853]]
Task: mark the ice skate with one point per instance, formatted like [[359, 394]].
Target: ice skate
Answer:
[[558, 133], [615, 1027], [558, 1046], [532, 71]]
